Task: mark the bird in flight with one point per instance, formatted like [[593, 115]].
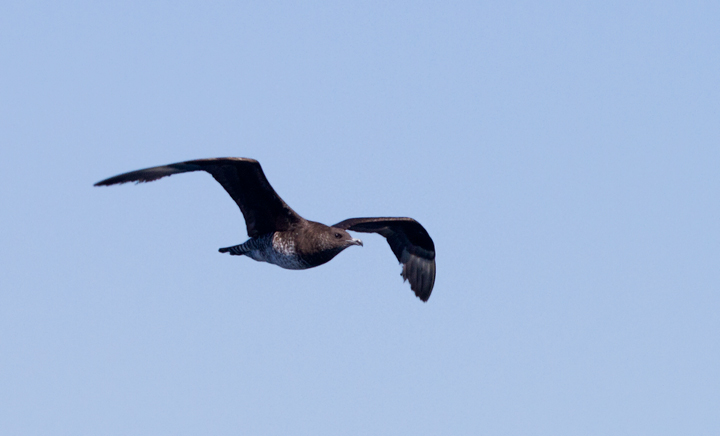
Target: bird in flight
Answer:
[[280, 236]]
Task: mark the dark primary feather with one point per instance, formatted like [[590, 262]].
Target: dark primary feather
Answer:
[[411, 244], [243, 179]]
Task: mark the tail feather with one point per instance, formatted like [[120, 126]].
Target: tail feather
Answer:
[[249, 245], [235, 250]]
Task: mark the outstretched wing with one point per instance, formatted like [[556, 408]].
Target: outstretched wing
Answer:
[[242, 178], [411, 244]]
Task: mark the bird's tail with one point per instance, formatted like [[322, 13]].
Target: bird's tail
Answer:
[[251, 244], [235, 250]]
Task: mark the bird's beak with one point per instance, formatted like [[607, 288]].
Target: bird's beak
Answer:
[[356, 242]]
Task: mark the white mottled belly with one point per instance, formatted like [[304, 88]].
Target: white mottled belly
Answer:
[[281, 253]]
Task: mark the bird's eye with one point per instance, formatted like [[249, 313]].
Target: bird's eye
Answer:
[[338, 235]]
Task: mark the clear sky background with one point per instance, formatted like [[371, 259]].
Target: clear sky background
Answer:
[[564, 156]]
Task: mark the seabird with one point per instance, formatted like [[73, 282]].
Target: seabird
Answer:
[[280, 236]]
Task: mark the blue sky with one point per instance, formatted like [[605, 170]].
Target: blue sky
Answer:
[[563, 156]]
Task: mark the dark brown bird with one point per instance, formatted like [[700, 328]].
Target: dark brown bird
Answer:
[[280, 236]]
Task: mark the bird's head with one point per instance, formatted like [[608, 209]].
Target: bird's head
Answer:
[[342, 239], [327, 240]]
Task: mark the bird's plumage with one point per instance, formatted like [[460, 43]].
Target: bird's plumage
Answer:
[[282, 237]]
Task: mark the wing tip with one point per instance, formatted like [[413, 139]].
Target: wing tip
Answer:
[[421, 275], [107, 182], [110, 181]]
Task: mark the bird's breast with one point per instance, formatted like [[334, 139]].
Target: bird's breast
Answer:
[[282, 252]]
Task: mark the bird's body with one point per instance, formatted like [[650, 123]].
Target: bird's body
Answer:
[[298, 248], [280, 236], [274, 248]]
